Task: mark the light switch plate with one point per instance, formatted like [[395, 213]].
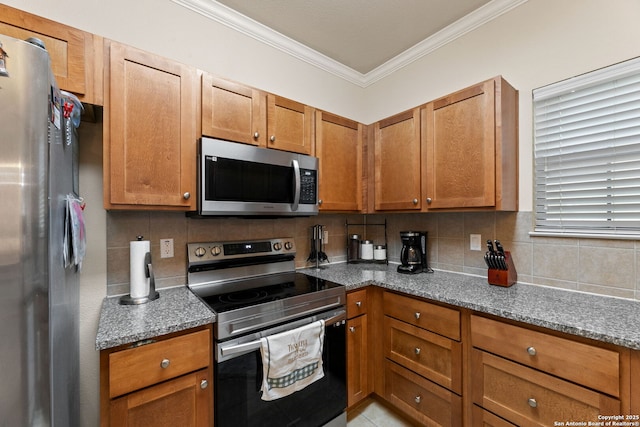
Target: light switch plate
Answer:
[[475, 242]]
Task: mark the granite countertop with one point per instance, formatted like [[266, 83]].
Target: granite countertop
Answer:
[[177, 309], [607, 319]]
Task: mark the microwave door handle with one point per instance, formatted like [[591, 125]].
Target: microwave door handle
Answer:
[[296, 189]]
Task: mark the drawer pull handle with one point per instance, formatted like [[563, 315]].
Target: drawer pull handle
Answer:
[[532, 402], [417, 315], [531, 351], [417, 350], [165, 363], [418, 399], [359, 304], [204, 384], [352, 328]]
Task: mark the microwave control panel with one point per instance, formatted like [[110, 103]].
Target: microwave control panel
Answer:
[[308, 186]]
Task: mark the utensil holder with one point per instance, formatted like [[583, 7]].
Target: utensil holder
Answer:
[[504, 278]]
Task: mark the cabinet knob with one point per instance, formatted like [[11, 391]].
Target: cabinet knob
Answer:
[[319, 201], [273, 138], [352, 329], [418, 399], [256, 135], [417, 315], [165, 363], [415, 201], [531, 350], [186, 195], [532, 402], [417, 350], [428, 200], [204, 384], [359, 304]]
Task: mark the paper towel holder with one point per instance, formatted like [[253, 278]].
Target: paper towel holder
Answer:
[[153, 294]]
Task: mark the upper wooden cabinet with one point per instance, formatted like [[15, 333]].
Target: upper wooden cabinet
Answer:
[[233, 111], [149, 131], [76, 56], [290, 125], [339, 149], [471, 156], [397, 169]]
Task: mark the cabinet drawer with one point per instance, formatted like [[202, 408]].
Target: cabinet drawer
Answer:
[[585, 364], [525, 396], [441, 320], [482, 418], [356, 303], [421, 399], [139, 367], [437, 358]]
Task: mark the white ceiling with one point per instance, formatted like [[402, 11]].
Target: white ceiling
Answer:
[[359, 40]]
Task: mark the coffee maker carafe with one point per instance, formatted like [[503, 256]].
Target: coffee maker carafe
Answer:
[[413, 255]]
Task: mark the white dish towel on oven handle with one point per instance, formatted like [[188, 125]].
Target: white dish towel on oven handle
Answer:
[[291, 360]]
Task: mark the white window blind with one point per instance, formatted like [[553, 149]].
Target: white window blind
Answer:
[[587, 153]]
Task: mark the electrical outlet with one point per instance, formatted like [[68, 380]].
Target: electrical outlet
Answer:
[[475, 242], [166, 248], [325, 236]]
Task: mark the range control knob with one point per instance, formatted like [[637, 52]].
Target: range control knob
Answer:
[[200, 251], [277, 246], [215, 251], [288, 245]]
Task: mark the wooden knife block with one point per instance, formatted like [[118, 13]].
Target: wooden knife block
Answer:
[[506, 277]]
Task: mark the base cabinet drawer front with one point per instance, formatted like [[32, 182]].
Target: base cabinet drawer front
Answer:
[[426, 402], [139, 367], [434, 357], [356, 303], [527, 397], [483, 418], [186, 402], [435, 318], [585, 364]]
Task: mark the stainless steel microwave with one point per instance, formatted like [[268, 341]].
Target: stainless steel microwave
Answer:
[[239, 179]]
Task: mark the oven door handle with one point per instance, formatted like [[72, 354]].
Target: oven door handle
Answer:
[[255, 345]]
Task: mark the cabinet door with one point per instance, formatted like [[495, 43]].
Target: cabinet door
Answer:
[[233, 111], [71, 51], [290, 125], [186, 401], [460, 149], [339, 149], [397, 162], [150, 138], [357, 353]]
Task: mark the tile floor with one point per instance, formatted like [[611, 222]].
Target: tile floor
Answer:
[[372, 413]]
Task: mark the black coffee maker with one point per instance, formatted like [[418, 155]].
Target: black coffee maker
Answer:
[[413, 254]]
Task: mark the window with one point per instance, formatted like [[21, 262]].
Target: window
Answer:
[[587, 153]]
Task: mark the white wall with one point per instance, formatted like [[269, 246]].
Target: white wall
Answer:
[[540, 42]]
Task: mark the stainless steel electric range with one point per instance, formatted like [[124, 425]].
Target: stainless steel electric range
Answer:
[[253, 288]]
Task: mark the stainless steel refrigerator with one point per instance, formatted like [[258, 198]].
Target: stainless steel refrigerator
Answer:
[[39, 297]]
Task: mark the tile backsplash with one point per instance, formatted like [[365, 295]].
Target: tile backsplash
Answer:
[[608, 267]]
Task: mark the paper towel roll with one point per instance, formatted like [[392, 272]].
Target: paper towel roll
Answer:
[[139, 285]]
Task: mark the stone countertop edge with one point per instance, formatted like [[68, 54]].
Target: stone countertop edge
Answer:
[[602, 318], [176, 309]]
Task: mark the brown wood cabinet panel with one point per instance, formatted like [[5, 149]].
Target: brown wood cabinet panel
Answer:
[[482, 418], [525, 396], [555, 355], [471, 155], [435, 318], [233, 111], [149, 126], [397, 153], [339, 150], [290, 125], [426, 402], [356, 303], [73, 52], [185, 401], [357, 360], [635, 382], [434, 357]]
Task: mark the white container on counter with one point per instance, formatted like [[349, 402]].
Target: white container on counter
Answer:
[[366, 249], [379, 252]]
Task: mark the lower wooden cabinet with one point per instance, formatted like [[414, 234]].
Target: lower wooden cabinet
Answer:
[[167, 381], [358, 386], [483, 418]]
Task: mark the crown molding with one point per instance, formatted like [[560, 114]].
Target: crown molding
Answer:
[[245, 25]]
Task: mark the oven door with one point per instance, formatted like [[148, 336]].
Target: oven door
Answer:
[[238, 376]]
